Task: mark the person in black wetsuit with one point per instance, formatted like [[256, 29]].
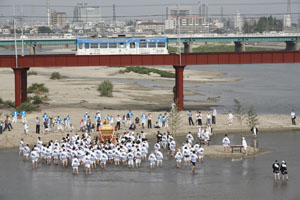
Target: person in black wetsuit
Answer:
[[284, 172], [276, 170]]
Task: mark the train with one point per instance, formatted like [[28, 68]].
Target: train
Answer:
[[122, 46]]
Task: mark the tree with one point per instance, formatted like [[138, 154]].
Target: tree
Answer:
[[175, 119], [106, 88], [239, 113], [252, 117], [44, 29]]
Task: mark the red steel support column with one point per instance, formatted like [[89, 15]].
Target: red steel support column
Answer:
[[24, 84], [17, 87], [179, 86]]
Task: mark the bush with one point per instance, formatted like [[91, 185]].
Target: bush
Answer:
[[28, 107], [146, 70], [105, 88], [36, 100], [55, 75], [34, 73], [37, 88], [1, 100], [9, 103]]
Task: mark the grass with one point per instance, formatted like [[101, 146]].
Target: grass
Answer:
[[32, 73], [146, 70], [55, 75], [37, 88], [106, 88], [218, 48]]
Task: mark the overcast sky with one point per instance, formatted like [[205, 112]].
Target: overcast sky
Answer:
[[245, 7]]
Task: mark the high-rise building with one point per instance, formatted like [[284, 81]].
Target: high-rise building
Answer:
[[58, 18], [187, 24], [203, 11], [87, 14], [178, 11], [238, 21]]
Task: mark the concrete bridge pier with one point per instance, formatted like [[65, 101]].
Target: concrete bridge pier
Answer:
[[188, 47], [179, 86], [20, 86], [292, 46], [32, 49], [240, 46]]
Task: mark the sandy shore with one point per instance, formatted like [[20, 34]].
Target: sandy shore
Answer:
[[268, 123]]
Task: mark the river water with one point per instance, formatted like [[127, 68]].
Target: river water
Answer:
[[216, 178]]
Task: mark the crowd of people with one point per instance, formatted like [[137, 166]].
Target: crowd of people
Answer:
[[129, 149]]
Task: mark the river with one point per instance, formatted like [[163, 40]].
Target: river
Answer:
[[216, 178]]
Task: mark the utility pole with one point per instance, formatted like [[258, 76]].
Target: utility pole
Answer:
[[48, 10], [15, 34], [114, 13], [178, 35]]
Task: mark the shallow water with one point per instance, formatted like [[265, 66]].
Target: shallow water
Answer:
[[250, 178]]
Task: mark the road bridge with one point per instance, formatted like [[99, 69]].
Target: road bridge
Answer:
[[240, 41]]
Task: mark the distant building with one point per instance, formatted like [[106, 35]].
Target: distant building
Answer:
[[187, 24], [203, 11], [87, 14], [178, 11], [238, 21], [150, 27], [58, 18]]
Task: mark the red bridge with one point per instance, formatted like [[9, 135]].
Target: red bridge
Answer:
[[178, 61]]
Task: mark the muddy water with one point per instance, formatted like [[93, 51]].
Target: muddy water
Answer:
[[249, 178]]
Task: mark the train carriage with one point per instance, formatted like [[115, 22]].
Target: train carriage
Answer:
[[122, 46]]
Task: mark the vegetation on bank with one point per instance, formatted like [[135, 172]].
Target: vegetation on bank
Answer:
[[7, 103], [146, 70], [32, 73], [105, 88], [37, 89], [219, 48], [55, 75], [28, 107]]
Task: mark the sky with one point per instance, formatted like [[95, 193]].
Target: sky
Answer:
[[153, 7]]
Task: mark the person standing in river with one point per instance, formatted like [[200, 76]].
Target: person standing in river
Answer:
[[276, 170], [284, 172], [293, 117]]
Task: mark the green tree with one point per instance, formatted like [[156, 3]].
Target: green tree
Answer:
[[239, 113], [44, 29], [252, 119], [106, 88]]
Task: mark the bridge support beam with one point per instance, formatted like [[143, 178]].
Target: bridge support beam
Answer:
[[239, 46], [179, 86], [291, 46], [20, 86], [188, 47]]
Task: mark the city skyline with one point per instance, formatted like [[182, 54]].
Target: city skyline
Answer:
[[135, 9]]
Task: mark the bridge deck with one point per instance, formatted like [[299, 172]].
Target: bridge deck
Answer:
[[71, 60]]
